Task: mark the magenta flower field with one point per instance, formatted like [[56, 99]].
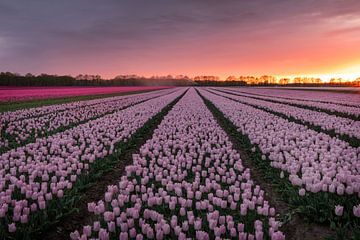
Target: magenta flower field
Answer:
[[181, 163], [29, 93]]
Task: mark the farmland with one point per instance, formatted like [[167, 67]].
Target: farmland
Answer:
[[14, 98], [29, 93], [179, 163]]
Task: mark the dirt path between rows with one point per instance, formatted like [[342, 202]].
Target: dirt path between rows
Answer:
[[296, 228]]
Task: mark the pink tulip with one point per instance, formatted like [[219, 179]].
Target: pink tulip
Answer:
[[124, 236], [24, 219], [111, 226], [12, 227], [60, 193], [96, 226], [339, 210], [75, 235], [356, 210], [302, 192], [103, 234], [150, 233], [132, 233], [277, 236], [108, 197], [108, 216], [87, 230], [197, 224]]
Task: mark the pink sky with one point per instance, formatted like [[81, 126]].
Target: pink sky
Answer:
[[282, 38]]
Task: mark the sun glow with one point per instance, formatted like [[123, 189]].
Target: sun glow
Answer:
[[350, 73]]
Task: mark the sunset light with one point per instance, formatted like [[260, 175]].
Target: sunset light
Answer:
[[346, 74], [284, 38]]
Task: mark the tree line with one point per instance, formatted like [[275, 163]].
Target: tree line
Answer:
[[29, 80]]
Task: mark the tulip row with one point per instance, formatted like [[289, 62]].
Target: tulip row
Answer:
[[352, 111], [33, 114], [186, 182], [19, 94], [345, 99], [314, 162], [43, 110], [39, 111], [20, 131], [33, 176], [339, 125]]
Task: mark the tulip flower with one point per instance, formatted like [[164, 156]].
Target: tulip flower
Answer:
[[12, 227], [356, 210], [339, 210]]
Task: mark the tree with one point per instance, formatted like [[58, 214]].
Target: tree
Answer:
[[231, 78], [284, 81]]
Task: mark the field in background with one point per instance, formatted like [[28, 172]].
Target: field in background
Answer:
[[31, 93], [13, 98], [321, 89]]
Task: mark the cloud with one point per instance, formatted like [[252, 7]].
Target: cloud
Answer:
[[343, 31], [49, 32]]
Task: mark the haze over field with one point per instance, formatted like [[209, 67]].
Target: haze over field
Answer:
[[281, 38]]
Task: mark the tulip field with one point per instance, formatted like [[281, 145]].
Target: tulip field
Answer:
[[23, 125], [184, 163], [8, 94]]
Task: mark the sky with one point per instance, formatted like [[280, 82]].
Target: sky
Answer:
[[192, 37]]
